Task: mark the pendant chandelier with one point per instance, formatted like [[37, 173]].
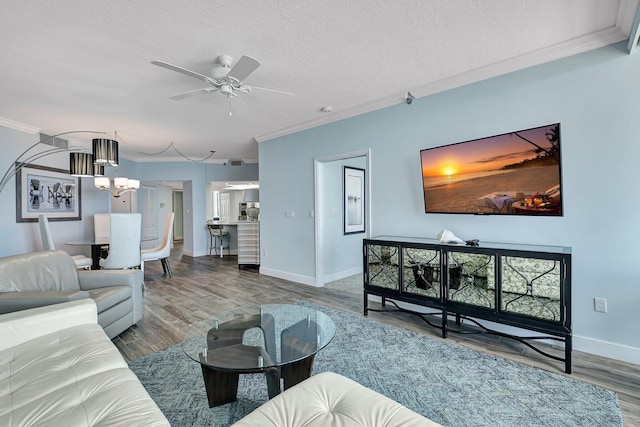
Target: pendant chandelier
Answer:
[[121, 185], [105, 153]]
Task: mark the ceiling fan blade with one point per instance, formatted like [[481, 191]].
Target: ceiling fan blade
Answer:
[[245, 66], [187, 94], [183, 71], [272, 90]]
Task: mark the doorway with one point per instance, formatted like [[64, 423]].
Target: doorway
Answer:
[[178, 225], [149, 216], [327, 237]]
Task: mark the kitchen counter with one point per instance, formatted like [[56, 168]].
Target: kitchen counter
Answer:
[[244, 240]]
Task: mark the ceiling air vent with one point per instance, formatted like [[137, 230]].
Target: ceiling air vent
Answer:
[[235, 162], [56, 142]]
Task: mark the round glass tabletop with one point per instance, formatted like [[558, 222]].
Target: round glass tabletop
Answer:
[[255, 337]]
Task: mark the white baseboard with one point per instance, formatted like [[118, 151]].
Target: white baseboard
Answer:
[[342, 274], [608, 349], [298, 278]]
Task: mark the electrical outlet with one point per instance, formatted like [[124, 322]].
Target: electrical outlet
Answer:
[[600, 305]]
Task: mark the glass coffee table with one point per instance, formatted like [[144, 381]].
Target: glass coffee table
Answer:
[[279, 340]]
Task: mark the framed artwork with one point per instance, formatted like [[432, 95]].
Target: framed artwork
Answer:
[[353, 204], [49, 191]]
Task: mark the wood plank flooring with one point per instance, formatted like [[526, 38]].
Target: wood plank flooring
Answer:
[[205, 285]]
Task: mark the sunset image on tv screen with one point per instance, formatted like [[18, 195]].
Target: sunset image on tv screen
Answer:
[[516, 173]]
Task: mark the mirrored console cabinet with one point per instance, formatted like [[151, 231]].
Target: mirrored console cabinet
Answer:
[[523, 286]]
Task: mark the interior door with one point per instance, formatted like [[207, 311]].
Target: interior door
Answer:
[[178, 227], [225, 207], [148, 211]]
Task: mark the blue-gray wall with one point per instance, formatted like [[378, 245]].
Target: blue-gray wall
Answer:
[[595, 96]]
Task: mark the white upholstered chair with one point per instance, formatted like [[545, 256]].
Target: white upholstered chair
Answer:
[[163, 250], [81, 261], [124, 241], [101, 226]]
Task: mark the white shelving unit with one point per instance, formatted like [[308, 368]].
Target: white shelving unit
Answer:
[[249, 243]]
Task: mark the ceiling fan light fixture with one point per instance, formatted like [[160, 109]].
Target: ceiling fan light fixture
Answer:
[[226, 90]]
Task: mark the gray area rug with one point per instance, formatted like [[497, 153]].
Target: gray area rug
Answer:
[[443, 381]]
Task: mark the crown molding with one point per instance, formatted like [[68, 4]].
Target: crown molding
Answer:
[[22, 127], [156, 159], [562, 50]]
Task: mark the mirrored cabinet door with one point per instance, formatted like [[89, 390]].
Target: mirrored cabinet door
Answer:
[[421, 272], [383, 266], [531, 287], [471, 279]]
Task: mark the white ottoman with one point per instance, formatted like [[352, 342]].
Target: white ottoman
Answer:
[[329, 399]]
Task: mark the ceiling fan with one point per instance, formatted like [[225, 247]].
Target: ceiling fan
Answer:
[[224, 79]]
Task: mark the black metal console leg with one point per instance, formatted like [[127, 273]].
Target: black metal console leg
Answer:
[[445, 320], [366, 303], [568, 348]]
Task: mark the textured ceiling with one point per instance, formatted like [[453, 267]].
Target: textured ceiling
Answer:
[[70, 65]]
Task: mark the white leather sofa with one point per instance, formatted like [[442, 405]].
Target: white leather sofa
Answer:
[[50, 277], [329, 399], [59, 368]]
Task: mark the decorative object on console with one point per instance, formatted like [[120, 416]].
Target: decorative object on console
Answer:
[[446, 236], [516, 173]]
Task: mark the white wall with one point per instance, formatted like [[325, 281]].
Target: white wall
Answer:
[[595, 98]]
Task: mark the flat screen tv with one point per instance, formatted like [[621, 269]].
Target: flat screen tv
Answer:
[[516, 173]]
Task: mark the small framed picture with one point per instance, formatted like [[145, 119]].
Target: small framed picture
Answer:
[[353, 207], [49, 191]]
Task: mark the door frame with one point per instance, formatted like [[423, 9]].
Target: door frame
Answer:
[[318, 188]]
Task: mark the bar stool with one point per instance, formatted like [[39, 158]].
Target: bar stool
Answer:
[[217, 231]]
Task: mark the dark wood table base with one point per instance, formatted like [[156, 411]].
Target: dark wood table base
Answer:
[[222, 385]]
